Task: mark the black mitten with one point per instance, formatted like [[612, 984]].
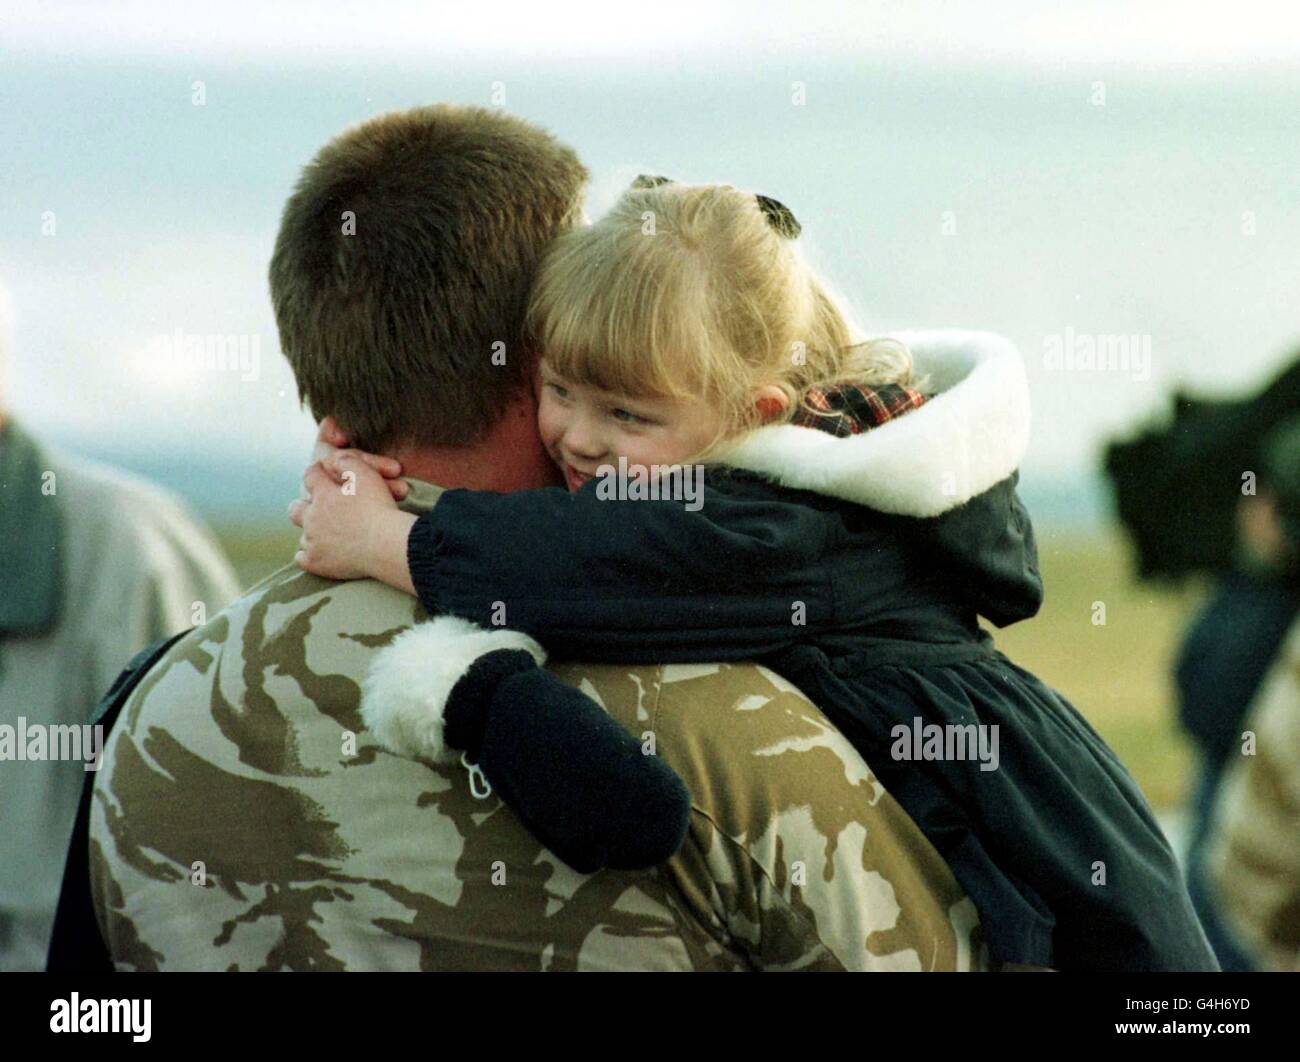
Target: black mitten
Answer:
[[575, 777]]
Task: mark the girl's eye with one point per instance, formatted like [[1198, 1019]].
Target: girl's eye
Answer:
[[560, 392], [628, 418]]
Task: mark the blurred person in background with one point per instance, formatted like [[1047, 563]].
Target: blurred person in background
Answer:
[[1251, 847], [97, 565], [1219, 493], [1232, 644]]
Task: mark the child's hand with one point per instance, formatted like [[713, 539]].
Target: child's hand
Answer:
[[347, 503], [332, 441]]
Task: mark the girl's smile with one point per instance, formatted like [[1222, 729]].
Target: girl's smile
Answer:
[[572, 477]]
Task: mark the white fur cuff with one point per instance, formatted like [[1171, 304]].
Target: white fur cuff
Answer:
[[405, 692]]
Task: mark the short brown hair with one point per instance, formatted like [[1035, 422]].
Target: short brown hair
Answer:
[[391, 326]]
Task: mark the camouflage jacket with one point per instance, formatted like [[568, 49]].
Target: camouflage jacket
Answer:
[[1252, 847], [244, 820]]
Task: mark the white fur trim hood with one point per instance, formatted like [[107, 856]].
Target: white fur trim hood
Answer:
[[405, 692], [972, 435]]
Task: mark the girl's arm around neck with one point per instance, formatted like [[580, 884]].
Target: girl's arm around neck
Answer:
[[627, 580], [388, 550]]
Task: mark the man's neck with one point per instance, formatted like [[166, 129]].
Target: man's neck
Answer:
[[511, 457]]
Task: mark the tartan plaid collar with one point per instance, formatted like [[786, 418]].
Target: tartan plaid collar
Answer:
[[850, 409]]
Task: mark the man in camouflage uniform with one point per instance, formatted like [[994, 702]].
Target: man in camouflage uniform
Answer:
[[243, 818]]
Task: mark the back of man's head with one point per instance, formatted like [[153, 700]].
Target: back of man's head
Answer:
[[405, 256]]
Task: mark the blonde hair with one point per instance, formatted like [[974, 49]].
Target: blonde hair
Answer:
[[688, 291]]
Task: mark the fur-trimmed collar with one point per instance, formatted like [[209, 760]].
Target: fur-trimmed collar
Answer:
[[970, 436]]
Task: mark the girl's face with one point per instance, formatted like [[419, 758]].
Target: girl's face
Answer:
[[584, 427]]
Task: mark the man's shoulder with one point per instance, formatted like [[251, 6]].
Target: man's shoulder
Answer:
[[749, 745], [291, 626], [787, 809], [741, 712], [245, 768], [243, 754]]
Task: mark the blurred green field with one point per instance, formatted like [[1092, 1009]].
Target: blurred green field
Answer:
[[1117, 673], [256, 552]]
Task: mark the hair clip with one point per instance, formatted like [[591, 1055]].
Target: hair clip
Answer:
[[779, 217], [778, 214]]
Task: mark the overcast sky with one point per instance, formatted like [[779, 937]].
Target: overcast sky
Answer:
[[953, 166], [1030, 31]]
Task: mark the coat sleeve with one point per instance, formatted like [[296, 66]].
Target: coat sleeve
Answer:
[[627, 581]]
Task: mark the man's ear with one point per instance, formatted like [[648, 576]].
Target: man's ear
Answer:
[[770, 401], [330, 432]]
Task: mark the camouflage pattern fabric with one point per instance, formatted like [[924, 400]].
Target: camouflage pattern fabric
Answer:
[[243, 820], [1253, 844]]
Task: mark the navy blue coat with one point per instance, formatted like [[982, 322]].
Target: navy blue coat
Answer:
[[874, 617]]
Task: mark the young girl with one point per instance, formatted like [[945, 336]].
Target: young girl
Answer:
[[847, 533]]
